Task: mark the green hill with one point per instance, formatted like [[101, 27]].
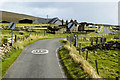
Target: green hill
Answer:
[[15, 17]]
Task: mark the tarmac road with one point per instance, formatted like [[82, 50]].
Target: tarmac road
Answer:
[[29, 65], [105, 31]]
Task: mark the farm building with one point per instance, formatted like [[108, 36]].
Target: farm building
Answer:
[[72, 25], [26, 21], [48, 21], [41, 21], [81, 27], [55, 21]]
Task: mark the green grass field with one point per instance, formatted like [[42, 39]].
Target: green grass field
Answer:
[[107, 60], [34, 25]]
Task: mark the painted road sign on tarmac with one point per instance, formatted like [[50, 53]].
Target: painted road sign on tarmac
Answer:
[[11, 25]]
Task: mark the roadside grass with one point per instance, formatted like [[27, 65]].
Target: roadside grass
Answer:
[[72, 69]]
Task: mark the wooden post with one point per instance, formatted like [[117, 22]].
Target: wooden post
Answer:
[[15, 38], [101, 40], [91, 40], [117, 78], [104, 40], [79, 47], [44, 32], [75, 42], [96, 67], [86, 54]]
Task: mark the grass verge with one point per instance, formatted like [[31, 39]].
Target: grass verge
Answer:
[[72, 69]]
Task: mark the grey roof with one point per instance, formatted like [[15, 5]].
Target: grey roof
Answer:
[[41, 21], [50, 21]]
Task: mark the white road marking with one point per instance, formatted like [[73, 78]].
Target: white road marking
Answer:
[[39, 51], [58, 61]]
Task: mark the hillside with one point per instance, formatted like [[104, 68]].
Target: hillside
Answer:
[[15, 17]]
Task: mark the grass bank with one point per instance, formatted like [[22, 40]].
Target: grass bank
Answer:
[[71, 54], [72, 69]]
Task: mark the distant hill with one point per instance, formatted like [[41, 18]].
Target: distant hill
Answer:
[[15, 17]]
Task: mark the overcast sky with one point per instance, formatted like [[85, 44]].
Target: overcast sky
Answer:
[[96, 12]]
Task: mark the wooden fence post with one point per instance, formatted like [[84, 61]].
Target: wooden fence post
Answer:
[[86, 54], [44, 32], [15, 38], [79, 48], [91, 40], [96, 67], [75, 43], [117, 78]]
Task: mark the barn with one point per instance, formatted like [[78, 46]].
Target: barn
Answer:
[[48, 21], [41, 21], [55, 21], [73, 25]]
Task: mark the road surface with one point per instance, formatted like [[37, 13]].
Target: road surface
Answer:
[[29, 65], [105, 31]]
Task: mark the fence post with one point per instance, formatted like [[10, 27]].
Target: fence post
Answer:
[[91, 40], [117, 78], [75, 44], [79, 47], [101, 40], [96, 67], [86, 54], [15, 38], [104, 40], [44, 32]]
